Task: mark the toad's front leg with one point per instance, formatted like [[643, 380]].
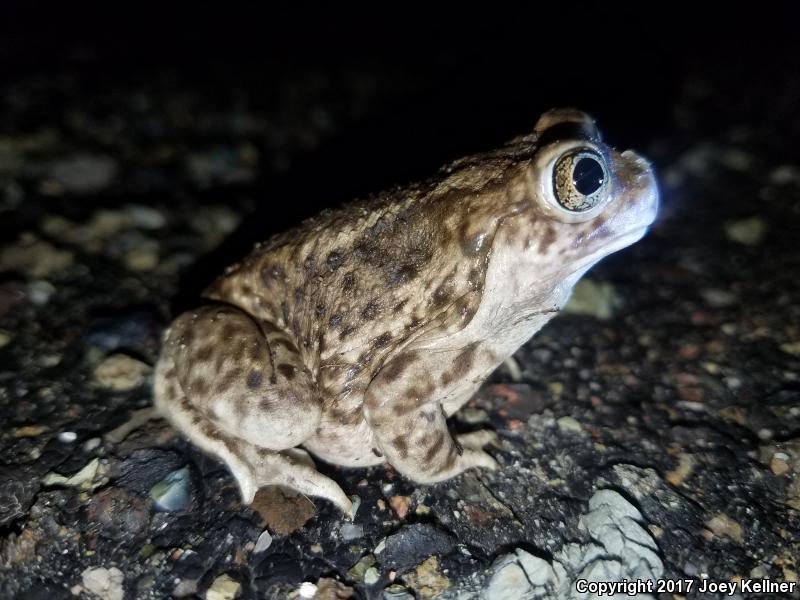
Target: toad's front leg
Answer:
[[410, 426]]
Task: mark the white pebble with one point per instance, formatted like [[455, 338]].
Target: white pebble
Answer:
[[67, 437]]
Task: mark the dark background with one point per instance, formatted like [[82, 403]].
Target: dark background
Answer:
[[443, 82], [458, 78]]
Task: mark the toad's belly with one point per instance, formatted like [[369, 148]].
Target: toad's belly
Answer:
[[349, 445]]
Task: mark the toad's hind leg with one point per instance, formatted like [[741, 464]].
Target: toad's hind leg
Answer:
[[238, 390]]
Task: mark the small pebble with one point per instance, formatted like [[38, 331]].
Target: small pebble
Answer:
[[264, 541], [104, 583], [91, 444], [174, 492], [351, 531], [400, 504], [145, 217], [67, 437], [371, 576], [40, 292], [778, 464], [307, 590], [722, 525], [792, 348], [142, 258], [749, 232], [593, 298], [224, 587], [85, 478], [121, 373], [569, 424]]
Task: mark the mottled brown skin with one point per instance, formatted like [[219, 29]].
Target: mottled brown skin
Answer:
[[357, 333]]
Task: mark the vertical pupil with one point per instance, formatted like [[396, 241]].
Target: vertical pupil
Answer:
[[587, 176]]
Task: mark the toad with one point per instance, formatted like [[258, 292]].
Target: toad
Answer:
[[355, 335]]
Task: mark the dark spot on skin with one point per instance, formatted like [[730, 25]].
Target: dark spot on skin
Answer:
[[334, 260], [228, 443], [441, 295], [598, 229], [382, 340], [172, 393], [310, 263], [296, 327], [418, 395], [282, 342], [346, 331], [255, 352], [464, 360], [254, 379], [287, 371], [377, 453], [436, 445], [247, 290], [447, 379], [187, 337], [370, 310], [399, 306], [204, 354], [395, 368], [285, 312], [348, 282], [228, 331], [319, 309], [227, 380], [401, 446], [298, 295], [238, 354], [401, 274], [428, 416], [452, 455], [335, 321], [401, 409], [548, 238], [266, 276], [268, 327]]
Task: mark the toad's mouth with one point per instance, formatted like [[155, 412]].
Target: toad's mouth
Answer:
[[619, 242]]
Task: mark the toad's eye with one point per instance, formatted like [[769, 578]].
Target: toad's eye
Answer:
[[580, 179]]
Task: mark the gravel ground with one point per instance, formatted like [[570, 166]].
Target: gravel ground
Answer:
[[652, 432]]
